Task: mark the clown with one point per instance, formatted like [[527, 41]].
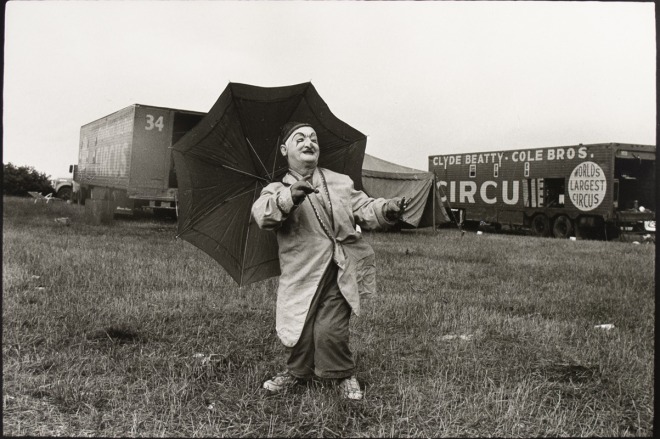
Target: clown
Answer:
[[325, 264]]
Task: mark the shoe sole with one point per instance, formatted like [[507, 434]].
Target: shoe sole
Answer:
[[272, 387]]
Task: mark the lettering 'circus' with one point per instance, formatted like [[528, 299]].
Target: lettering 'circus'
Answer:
[[587, 186]]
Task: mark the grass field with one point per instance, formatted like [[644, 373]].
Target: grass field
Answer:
[[122, 330]]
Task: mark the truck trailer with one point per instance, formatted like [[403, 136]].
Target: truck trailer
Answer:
[[125, 159], [602, 190]]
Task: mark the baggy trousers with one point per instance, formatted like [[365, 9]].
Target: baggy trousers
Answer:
[[323, 348]]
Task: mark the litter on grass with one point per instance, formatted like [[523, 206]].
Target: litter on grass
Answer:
[[204, 359], [64, 220], [606, 326], [464, 337]]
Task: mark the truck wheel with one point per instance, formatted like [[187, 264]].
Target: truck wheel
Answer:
[[562, 227], [541, 225], [64, 193]]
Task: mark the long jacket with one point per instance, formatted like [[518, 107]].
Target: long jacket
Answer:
[[311, 235]]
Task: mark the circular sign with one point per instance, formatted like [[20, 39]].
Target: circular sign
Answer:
[[587, 185]]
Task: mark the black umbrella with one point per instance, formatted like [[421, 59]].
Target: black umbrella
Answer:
[[232, 153]]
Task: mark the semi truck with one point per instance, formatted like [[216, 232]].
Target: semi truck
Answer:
[[125, 161], [603, 190]]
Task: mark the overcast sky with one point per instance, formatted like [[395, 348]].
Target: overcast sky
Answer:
[[418, 78]]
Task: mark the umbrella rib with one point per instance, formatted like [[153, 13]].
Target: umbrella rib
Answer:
[[245, 173], [272, 176], [212, 208], [274, 161], [217, 246], [258, 158], [220, 246], [247, 238], [281, 170]]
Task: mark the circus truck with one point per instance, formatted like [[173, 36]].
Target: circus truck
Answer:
[[125, 162], [601, 191]]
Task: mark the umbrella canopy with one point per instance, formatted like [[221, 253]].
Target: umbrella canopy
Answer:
[[232, 153]]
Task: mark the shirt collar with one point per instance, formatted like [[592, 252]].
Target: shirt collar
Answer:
[[297, 175]]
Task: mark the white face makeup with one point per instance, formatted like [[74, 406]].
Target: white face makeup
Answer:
[[302, 149]]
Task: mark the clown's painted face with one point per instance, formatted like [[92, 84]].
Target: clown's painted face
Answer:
[[302, 148]]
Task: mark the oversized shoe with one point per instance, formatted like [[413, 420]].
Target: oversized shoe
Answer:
[[350, 388], [280, 382]]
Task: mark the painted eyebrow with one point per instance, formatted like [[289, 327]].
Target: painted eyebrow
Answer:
[[301, 134]]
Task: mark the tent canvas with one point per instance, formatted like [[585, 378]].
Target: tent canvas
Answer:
[[381, 178]]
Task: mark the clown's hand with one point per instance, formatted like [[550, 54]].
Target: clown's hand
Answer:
[[300, 189], [395, 207]]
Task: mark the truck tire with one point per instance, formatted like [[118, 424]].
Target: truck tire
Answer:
[[541, 225], [64, 193], [562, 227]]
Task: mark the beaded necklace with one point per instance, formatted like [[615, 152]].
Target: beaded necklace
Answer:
[[324, 226], [327, 194]]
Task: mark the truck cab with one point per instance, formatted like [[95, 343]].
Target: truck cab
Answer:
[[63, 187]]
